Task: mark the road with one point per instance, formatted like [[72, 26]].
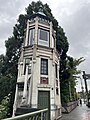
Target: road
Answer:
[[79, 113]]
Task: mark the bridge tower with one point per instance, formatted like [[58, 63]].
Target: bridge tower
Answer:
[[38, 84]]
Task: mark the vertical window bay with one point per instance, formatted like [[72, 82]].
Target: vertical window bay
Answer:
[[31, 37], [44, 66]]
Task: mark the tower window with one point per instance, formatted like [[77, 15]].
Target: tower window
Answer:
[[53, 42], [56, 70], [20, 86], [57, 92], [44, 66], [31, 37], [43, 37], [27, 63]]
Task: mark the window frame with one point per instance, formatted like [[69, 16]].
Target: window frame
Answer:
[[31, 31], [20, 86], [44, 66], [57, 91], [30, 59], [43, 42], [56, 70]]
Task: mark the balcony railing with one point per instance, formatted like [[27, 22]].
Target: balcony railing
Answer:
[[38, 115]]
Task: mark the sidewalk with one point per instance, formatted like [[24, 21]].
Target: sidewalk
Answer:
[[79, 113]]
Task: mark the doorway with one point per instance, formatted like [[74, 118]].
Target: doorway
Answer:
[[44, 101]]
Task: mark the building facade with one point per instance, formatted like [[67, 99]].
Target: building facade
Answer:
[[38, 84]]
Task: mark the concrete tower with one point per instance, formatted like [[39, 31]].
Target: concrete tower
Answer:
[[38, 68]]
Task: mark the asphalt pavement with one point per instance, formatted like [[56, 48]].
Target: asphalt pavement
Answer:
[[81, 112]]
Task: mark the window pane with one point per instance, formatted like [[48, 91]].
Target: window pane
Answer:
[[43, 38], [31, 37], [57, 83], [21, 86], [43, 35], [57, 92], [29, 69], [56, 70], [28, 63], [44, 66]]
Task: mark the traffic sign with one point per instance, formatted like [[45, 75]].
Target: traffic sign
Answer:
[[87, 76]]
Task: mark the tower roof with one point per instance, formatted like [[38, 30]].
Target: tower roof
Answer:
[[39, 14]]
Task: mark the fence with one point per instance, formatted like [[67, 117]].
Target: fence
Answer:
[[38, 115]]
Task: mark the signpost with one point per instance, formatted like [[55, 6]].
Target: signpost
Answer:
[[87, 76]]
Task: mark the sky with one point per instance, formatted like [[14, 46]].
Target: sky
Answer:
[[73, 16]]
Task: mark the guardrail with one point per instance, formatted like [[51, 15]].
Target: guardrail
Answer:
[[38, 115]]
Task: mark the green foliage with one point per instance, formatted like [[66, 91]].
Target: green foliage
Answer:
[[7, 86], [4, 86], [2, 61], [4, 107], [62, 43], [89, 94], [69, 77]]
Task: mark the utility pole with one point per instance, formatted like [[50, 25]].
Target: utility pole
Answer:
[[82, 88], [85, 78]]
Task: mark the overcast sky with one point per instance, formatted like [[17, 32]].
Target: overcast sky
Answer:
[[72, 15]]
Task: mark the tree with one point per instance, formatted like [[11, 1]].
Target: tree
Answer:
[[2, 63], [69, 78], [4, 107]]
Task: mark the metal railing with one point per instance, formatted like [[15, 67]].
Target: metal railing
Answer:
[[38, 115]]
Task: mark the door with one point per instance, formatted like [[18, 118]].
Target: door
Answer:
[[44, 101]]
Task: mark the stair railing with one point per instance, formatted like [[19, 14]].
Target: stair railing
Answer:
[[37, 115]]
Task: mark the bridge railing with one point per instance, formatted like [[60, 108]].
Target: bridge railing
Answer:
[[38, 115]]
